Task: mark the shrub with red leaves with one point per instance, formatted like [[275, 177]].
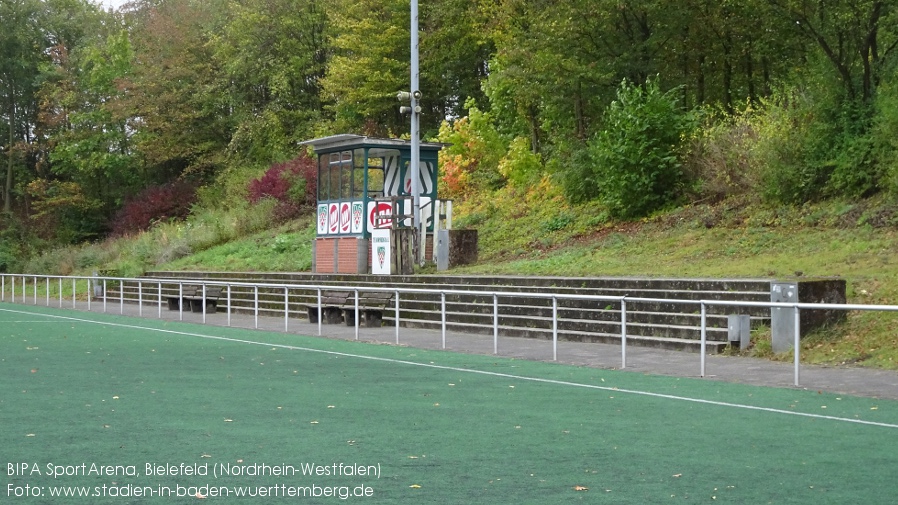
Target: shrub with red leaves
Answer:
[[293, 184], [156, 203]]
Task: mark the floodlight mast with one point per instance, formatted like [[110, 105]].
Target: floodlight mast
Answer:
[[415, 128]]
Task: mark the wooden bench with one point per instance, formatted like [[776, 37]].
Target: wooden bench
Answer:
[[174, 301], [371, 308], [191, 297], [332, 303], [195, 301]]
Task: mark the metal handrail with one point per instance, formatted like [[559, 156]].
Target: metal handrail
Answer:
[[397, 291]]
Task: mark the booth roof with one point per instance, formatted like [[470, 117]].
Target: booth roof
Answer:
[[349, 141]]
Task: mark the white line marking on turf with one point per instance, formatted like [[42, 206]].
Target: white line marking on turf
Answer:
[[31, 322], [481, 372]]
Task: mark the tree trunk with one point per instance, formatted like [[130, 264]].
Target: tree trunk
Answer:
[[7, 207]]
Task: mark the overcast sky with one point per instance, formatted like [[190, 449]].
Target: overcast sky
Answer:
[[111, 3]]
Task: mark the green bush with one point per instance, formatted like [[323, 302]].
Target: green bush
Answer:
[[720, 156], [636, 157], [784, 148], [884, 136]]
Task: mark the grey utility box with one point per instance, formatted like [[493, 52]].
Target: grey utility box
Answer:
[[739, 327], [442, 250], [782, 319]]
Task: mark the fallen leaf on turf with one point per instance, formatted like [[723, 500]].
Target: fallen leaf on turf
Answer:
[[874, 408], [581, 488], [677, 475], [313, 422], [413, 457], [34, 370], [30, 435], [205, 456], [331, 407], [415, 486], [200, 496], [229, 420]]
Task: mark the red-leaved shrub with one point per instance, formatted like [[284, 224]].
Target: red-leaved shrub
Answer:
[[293, 184], [156, 203]]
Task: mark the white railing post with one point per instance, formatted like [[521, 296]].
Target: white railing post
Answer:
[[443, 317], [121, 296], [286, 309], [203, 301], [3, 288], [495, 324], [554, 328], [256, 305], [35, 290], [397, 317], [48, 291], [74, 292], [180, 301], [60, 291], [704, 338], [159, 305], [356, 314], [13, 298], [140, 298], [320, 312], [623, 332], [797, 342], [229, 305], [104, 295]]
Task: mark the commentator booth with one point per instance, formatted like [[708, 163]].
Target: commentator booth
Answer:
[[365, 202]]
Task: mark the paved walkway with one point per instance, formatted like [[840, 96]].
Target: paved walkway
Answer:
[[761, 372]]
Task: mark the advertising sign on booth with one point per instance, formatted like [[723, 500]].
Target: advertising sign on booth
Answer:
[[322, 219], [379, 215], [333, 218], [358, 219], [345, 218], [380, 252]]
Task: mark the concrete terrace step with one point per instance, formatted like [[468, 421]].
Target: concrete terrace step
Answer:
[[669, 343]]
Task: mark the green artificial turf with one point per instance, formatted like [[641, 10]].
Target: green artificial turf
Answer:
[[440, 427]]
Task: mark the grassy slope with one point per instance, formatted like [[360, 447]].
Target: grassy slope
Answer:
[[854, 241]]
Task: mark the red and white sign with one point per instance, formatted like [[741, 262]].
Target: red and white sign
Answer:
[[379, 215], [345, 218], [333, 223]]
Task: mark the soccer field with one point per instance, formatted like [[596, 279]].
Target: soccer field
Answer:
[[107, 409]]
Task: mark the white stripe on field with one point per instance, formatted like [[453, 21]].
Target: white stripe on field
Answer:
[[480, 372]]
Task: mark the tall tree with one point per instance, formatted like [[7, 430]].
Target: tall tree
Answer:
[[273, 55], [176, 97], [21, 46], [92, 158], [858, 37], [371, 63]]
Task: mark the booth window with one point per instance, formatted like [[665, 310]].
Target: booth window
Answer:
[[375, 177]]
